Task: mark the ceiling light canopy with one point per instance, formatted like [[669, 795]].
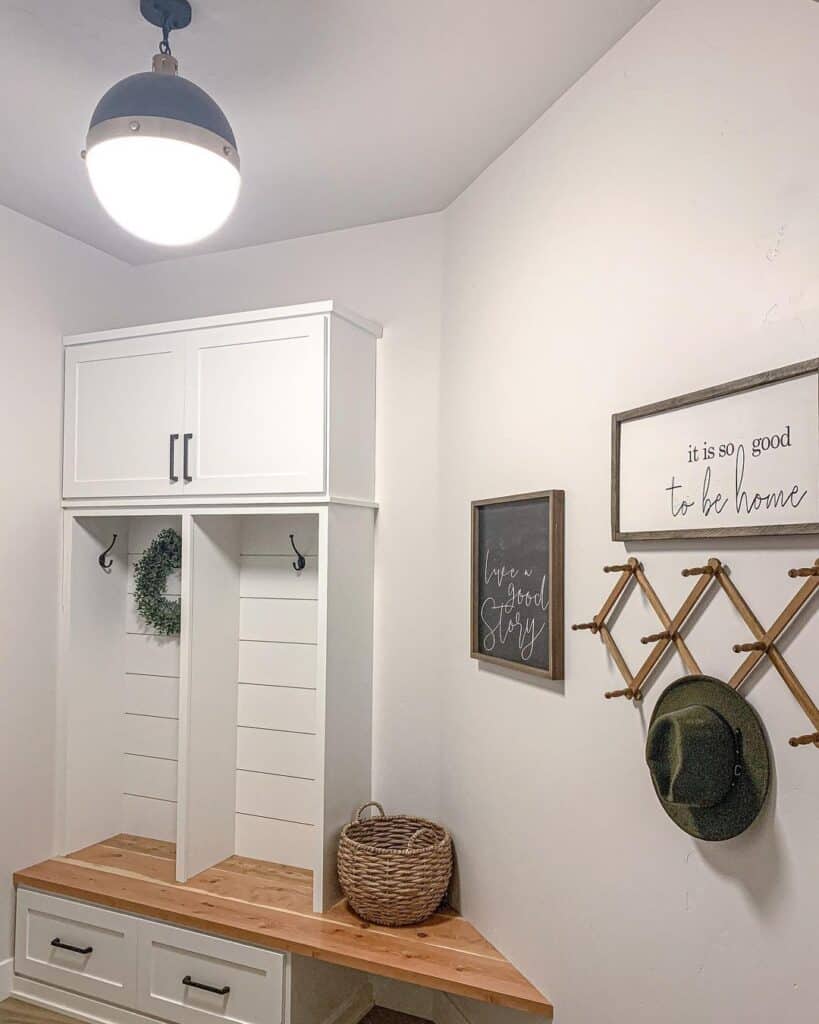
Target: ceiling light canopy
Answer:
[[160, 153]]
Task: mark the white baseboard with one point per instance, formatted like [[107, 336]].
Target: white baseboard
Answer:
[[354, 1008], [74, 1005], [351, 1011], [6, 977]]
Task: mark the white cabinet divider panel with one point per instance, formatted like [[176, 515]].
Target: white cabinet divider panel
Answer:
[[210, 665]]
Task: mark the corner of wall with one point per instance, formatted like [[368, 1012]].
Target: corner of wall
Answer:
[[6, 977]]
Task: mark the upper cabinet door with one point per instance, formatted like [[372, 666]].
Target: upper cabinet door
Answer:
[[124, 402], [255, 408]]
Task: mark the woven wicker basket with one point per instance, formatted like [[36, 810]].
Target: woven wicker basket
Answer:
[[394, 870]]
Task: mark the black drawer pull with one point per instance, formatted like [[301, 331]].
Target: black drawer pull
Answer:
[[74, 949], [186, 476], [172, 459], [223, 991]]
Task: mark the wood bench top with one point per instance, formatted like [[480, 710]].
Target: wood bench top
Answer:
[[270, 905]]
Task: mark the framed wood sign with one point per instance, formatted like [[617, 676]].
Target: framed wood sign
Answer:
[[517, 582], [739, 459]]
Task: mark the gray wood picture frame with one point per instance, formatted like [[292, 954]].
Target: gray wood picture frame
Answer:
[[759, 380], [556, 573]]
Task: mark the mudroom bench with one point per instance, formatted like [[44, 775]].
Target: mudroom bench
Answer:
[[107, 932]]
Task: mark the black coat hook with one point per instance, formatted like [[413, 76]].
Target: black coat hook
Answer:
[[106, 564], [300, 563]]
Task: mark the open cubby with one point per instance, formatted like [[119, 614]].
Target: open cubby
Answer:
[[247, 734], [119, 687]]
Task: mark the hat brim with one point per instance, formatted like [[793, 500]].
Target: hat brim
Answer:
[[746, 797]]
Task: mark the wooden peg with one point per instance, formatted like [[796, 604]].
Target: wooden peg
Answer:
[[586, 625], [665, 619], [813, 570], [804, 741], [654, 637], [628, 692], [704, 570], [758, 645], [628, 567]]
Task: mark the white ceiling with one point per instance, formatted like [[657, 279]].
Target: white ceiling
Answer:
[[345, 111]]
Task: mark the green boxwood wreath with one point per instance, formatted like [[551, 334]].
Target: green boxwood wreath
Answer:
[[162, 556]]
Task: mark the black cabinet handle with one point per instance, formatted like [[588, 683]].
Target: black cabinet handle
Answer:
[[186, 476], [223, 991], [172, 460], [74, 949]]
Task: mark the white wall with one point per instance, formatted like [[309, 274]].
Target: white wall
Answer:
[[48, 284], [391, 273], [655, 232]]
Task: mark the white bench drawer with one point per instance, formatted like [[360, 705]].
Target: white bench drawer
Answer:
[[174, 964], [102, 963]]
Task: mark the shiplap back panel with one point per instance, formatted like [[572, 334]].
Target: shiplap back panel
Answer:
[[277, 795], [279, 664], [151, 704], [277, 707]]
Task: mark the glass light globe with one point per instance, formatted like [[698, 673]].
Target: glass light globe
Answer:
[[163, 190], [162, 157]]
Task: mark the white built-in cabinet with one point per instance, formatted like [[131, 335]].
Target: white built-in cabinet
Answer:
[[249, 732], [277, 402]]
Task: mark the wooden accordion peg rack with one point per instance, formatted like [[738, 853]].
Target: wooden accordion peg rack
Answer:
[[763, 645]]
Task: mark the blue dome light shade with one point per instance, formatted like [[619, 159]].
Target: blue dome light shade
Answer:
[[160, 153], [152, 94]]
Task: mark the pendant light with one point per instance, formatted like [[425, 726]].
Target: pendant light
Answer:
[[160, 153]]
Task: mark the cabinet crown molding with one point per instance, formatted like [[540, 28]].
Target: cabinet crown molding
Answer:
[[327, 306]]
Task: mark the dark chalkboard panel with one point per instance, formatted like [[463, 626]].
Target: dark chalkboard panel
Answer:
[[517, 582]]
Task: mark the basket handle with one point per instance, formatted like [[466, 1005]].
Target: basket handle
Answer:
[[424, 831], [363, 808]]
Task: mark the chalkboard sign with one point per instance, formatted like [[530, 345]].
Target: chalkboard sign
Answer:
[[517, 582]]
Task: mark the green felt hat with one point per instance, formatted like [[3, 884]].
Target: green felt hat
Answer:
[[708, 757]]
